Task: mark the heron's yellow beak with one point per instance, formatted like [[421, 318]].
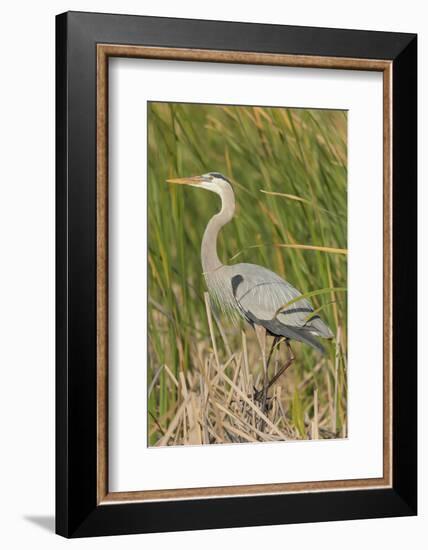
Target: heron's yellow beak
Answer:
[[194, 180]]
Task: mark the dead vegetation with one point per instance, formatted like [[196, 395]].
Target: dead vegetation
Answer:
[[215, 400]]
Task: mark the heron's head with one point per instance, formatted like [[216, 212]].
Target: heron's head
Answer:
[[213, 181]]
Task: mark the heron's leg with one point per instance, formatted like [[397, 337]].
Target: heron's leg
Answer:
[[281, 371], [261, 395], [261, 338], [266, 386], [275, 341]]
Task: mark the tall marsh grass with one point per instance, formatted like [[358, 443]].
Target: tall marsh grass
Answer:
[[288, 168]]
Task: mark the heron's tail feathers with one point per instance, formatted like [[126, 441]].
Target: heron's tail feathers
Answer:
[[319, 328], [302, 335]]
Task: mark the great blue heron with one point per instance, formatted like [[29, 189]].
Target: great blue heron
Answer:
[[257, 294]]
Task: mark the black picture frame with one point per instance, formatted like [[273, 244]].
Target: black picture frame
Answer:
[[77, 511]]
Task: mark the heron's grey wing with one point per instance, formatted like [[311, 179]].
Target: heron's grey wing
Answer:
[[262, 295]]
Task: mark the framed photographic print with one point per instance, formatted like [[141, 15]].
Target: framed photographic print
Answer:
[[236, 274]]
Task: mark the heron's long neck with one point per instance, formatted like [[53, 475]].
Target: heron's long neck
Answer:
[[209, 257]]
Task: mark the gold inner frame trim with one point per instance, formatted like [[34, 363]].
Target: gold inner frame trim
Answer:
[[104, 51]]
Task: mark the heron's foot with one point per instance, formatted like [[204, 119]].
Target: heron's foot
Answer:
[[262, 399], [257, 394]]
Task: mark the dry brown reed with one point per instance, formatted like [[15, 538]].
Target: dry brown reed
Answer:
[[216, 404]]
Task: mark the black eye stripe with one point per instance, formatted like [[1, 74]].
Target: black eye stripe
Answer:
[[218, 175]]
